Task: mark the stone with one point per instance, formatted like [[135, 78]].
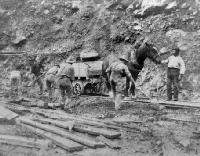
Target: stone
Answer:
[[184, 6], [171, 5], [152, 3], [195, 12], [19, 37], [176, 34], [185, 142], [164, 50], [46, 12]]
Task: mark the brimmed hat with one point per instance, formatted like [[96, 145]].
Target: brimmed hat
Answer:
[[176, 49], [70, 60], [124, 57]]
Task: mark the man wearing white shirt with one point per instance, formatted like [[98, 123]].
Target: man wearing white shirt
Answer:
[[176, 69]]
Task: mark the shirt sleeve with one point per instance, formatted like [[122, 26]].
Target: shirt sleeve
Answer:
[[108, 69], [165, 61], [182, 66], [128, 74]]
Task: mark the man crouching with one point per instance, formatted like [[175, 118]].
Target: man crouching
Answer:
[[65, 78], [50, 79], [118, 73], [15, 82]]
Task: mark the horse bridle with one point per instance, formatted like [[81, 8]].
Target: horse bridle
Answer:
[[155, 56]]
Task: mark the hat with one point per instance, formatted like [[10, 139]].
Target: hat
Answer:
[[56, 64], [124, 57], [176, 49], [70, 60]]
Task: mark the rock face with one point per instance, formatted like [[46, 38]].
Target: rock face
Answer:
[[104, 26], [153, 7]]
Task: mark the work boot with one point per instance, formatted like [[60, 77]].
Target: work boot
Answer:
[[68, 110], [62, 106], [175, 99], [110, 94]]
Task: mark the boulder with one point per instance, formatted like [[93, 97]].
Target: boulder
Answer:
[[88, 54], [146, 4], [176, 34], [19, 37], [153, 7], [171, 5], [164, 50]]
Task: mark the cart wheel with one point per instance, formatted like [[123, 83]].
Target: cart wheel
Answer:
[[78, 88]]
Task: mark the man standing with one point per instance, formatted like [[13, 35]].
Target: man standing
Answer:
[[176, 69], [36, 69], [118, 73], [50, 78], [65, 78]]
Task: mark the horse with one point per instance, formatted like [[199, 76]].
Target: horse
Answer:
[[144, 51]]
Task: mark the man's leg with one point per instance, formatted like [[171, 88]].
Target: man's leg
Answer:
[[132, 89], [12, 87], [169, 85], [69, 92], [118, 100], [39, 82], [176, 86], [63, 97], [128, 87], [113, 89], [49, 88]]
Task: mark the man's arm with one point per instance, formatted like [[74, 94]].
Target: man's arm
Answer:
[[182, 69], [72, 74], [182, 66], [108, 70], [128, 74], [165, 61]]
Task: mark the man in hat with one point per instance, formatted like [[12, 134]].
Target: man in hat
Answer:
[[65, 78], [117, 73], [175, 72], [50, 78]]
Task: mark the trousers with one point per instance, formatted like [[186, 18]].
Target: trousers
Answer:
[[50, 84], [172, 83], [66, 90]]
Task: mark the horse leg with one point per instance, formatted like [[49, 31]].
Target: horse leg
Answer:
[[132, 90], [127, 87], [111, 89], [117, 97]]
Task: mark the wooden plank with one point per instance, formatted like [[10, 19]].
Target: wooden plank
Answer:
[[82, 140], [75, 118], [64, 117], [85, 129], [64, 143], [178, 103], [24, 141], [97, 131], [182, 118], [53, 105], [6, 114], [108, 142]]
